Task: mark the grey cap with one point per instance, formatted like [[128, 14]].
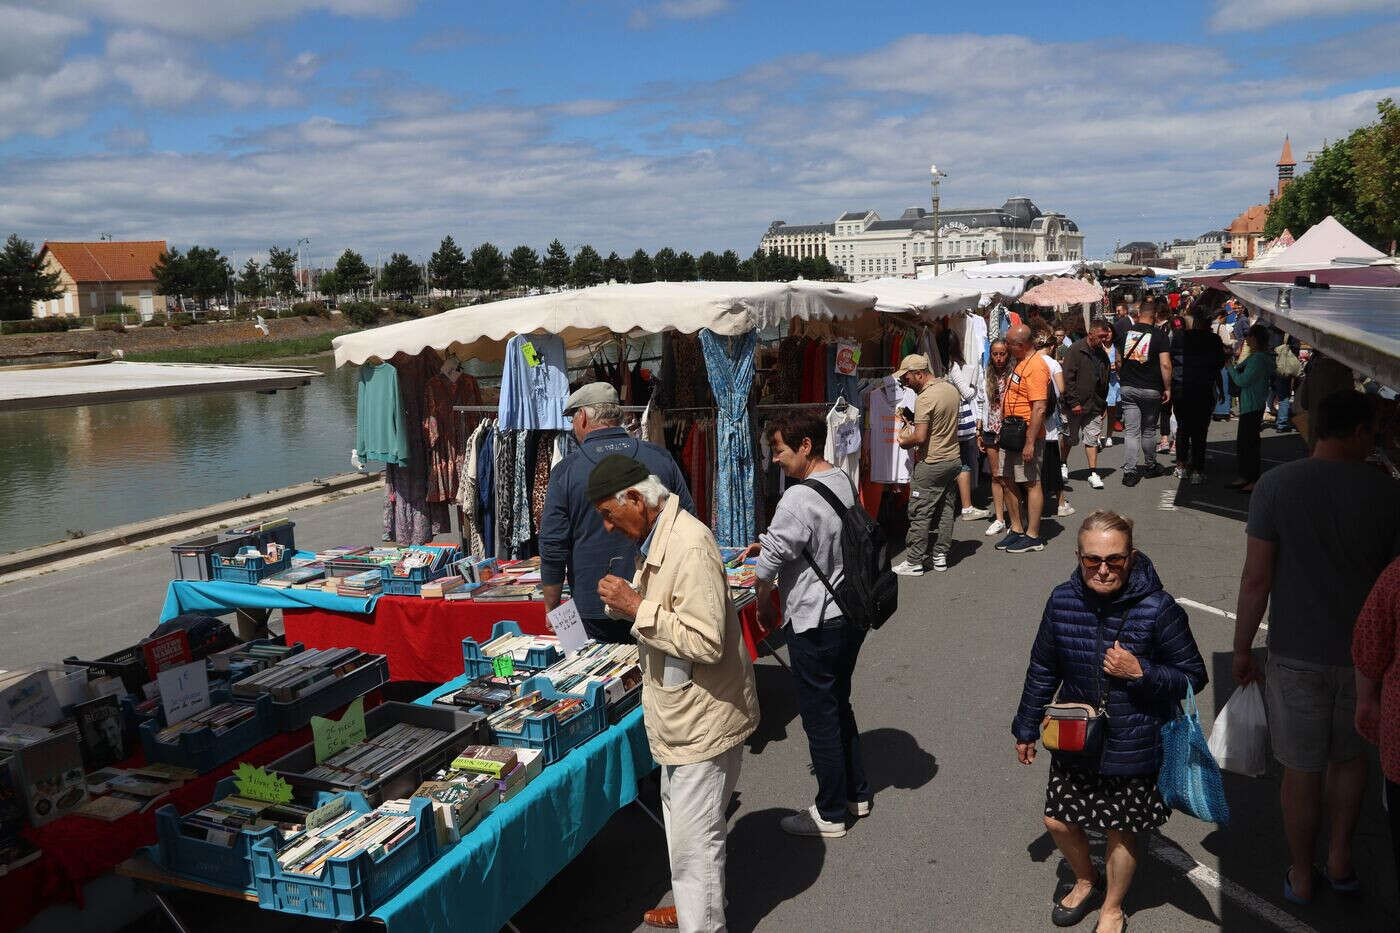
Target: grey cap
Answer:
[[594, 393]]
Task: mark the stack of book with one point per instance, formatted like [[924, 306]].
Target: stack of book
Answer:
[[379, 831], [616, 667], [517, 646], [360, 585], [297, 576], [503, 589], [221, 821], [219, 718], [117, 792], [495, 760], [441, 587], [376, 757], [488, 691], [302, 673], [459, 803], [511, 717], [250, 658]]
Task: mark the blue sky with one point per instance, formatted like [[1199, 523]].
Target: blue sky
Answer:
[[386, 124]]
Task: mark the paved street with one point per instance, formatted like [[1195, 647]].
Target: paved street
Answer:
[[955, 841]]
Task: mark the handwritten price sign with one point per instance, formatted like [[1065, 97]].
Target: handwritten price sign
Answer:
[[257, 784], [184, 691], [332, 736]]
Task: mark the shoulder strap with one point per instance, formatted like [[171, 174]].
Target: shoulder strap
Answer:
[[823, 490]]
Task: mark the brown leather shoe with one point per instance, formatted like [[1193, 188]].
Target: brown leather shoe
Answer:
[[664, 917]]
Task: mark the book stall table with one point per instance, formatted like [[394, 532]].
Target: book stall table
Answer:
[[77, 850]]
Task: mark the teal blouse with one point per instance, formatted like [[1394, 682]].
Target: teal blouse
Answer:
[[1253, 377]]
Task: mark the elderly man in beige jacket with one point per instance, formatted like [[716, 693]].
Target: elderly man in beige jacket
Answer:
[[698, 697]]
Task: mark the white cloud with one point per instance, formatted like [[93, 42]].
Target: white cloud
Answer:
[[33, 40], [47, 105], [1233, 15], [231, 18], [123, 138], [652, 13], [162, 76], [303, 66]]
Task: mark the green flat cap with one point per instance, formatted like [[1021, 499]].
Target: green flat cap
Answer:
[[613, 474]]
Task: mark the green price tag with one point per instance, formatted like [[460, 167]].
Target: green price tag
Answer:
[[503, 665], [257, 784], [331, 736], [532, 356]]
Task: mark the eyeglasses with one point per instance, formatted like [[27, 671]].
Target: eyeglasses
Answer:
[[1115, 562]]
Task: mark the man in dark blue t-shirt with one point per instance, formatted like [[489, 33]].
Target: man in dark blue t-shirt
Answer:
[[572, 537]]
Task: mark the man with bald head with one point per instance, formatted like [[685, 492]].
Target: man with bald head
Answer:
[[1026, 398]]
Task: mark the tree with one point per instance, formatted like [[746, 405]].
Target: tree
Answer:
[[23, 281], [447, 268], [400, 276], [781, 267], [488, 268], [555, 267], [328, 284], [1329, 187], [352, 275], [614, 268], [707, 266], [639, 268], [209, 274], [523, 267], [172, 274], [685, 267], [1377, 158], [665, 264], [281, 272], [587, 267], [728, 266], [755, 268], [250, 280]]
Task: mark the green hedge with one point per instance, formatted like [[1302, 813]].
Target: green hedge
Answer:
[[154, 322], [361, 313], [38, 325], [311, 308], [119, 309], [111, 324]]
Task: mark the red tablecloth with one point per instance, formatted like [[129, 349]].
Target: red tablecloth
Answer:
[[77, 849], [423, 637]]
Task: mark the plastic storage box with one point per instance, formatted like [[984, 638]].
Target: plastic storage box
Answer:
[[347, 888], [283, 534], [201, 749], [194, 558], [251, 570], [475, 664], [459, 729], [225, 866], [129, 665], [336, 693], [549, 735]]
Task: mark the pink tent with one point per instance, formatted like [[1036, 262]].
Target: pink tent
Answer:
[[1059, 292]]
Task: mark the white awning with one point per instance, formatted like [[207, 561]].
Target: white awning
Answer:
[[1326, 242], [927, 298], [1010, 287], [993, 270], [119, 381], [587, 314]]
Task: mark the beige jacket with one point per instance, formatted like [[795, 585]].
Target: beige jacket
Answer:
[[686, 613]]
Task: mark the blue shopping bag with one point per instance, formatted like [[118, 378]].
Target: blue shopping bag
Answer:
[[1190, 779]]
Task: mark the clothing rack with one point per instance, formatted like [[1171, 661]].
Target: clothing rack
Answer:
[[489, 408]]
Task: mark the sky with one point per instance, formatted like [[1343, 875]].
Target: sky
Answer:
[[383, 125]]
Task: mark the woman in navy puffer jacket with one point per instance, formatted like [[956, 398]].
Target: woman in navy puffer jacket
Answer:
[[1143, 663]]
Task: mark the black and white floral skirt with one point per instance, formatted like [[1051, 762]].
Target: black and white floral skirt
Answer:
[[1089, 800]]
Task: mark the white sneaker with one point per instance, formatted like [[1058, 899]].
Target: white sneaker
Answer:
[[1094, 481], [940, 562], [810, 823], [1065, 510], [909, 570], [995, 528], [1064, 471], [1106, 442], [972, 513]]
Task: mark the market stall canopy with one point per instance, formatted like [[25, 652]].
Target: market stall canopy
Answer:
[[926, 298], [1326, 242], [1119, 269], [1359, 326], [1060, 291], [588, 315], [99, 383], [994, 270], [1009, 287]]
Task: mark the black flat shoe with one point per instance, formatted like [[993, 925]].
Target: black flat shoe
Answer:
[[1063, 916]]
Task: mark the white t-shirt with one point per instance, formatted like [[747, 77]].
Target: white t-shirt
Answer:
[[1052, 412], [843, 437], [889, 463]]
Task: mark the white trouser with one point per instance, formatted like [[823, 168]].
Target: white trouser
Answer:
[[693, 801]]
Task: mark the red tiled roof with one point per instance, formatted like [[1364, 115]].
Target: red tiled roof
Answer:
[[107, 261], [1251, 221]]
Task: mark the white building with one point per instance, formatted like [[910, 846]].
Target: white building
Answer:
[[866, 247]]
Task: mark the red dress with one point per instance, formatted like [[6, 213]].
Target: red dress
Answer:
[[1373, 649]]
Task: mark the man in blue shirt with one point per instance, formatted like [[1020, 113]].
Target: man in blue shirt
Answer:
[[572, 537]]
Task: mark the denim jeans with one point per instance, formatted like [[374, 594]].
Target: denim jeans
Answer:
[[823, 660], [1140, 408], [1222, 407]]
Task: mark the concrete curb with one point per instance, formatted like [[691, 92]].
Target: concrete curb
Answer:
[[154, 528]]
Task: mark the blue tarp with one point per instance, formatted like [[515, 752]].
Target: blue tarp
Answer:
[[498, 867], [1225, 264], [219, 598]]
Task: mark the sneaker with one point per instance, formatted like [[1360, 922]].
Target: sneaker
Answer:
[[1106, 442], [809, 823], [1009, 540], [859, 807], [1130, 478], [1179, 472], [1164, 447], [940, 562], [995, 528], [1095, 482], [1026, 543], [1198, 478], [1064, 471], [1064, 510], [972, 513], [1153, 470], [908, 570], [902, 565]]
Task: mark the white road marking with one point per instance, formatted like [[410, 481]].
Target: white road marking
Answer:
[[1202, 606], [1168, 501], [1204, 877]]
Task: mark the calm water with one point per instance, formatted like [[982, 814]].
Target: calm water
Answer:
[[102, 465]]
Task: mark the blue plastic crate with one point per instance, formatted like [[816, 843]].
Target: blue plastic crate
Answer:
[[475, 664], [545, 732], [250, 571], [412, 585], [225, 866], [201, 749], [347, 888], [338, 691]]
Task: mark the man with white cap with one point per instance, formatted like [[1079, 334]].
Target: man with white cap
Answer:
[[573, 541], [931, 431]]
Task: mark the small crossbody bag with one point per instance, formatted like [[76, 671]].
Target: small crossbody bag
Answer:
[[1078, 729], [1013, 427]]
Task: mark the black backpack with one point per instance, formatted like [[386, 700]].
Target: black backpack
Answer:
[[869, 590]]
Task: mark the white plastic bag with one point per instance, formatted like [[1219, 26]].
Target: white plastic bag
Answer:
[[1240, 738]]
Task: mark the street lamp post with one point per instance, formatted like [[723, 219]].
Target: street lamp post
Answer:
[[937, 176], [300, 268]]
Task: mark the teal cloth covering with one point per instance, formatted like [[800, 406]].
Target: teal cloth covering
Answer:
[[496, 869], [218, 598], [380, 432]]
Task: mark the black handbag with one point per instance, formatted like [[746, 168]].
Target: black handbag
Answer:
[[1013, 433]]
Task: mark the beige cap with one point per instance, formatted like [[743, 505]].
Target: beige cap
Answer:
[[594, 393], [913, 363]]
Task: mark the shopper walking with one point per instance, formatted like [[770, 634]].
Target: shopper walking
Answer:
[[1253, 376], [1025, 400], [966, 377], [1225, 330], [1197, 358], [932, 433], [1052, 469], [1146, 376], [1320, 531], [1087, 370], [990, 393], [1374, 650], [822, 644], [698, 697], [1113, 638]]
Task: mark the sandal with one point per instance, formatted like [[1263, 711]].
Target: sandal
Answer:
[[1288, 894], [1350, 885]]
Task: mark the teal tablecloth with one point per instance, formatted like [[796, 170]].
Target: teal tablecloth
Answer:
[[510, 856], [219, 598]]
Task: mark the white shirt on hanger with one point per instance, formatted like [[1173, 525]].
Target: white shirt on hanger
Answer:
[[843, 438], [889, 463]]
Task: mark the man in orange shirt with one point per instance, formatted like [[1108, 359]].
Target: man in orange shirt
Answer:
[[1026, 397]]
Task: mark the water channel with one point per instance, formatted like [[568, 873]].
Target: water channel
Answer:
[[85, 469]]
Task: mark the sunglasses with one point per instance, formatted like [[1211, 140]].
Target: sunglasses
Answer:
[[1115, 562]]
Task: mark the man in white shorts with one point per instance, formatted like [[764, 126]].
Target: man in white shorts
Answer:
[[1086, 369]]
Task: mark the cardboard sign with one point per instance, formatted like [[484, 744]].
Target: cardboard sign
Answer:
[[331, 736], [257, 784], [847, 357], [167, 651], [503, 665], [325, 815], [184, 691], [568, 625]]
